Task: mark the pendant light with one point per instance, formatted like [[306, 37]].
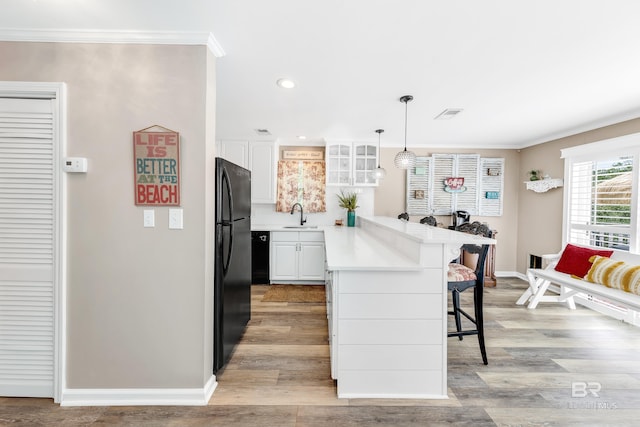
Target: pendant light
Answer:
[[405, 159], [379, 173]]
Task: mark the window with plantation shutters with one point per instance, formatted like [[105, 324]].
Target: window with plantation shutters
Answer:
[[26, 247], [601, 195], [478, 180]]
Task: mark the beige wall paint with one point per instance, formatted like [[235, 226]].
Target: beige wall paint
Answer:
[[540, 219], [136, 297], [391, 193]]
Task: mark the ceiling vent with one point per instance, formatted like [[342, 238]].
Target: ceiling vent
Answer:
[[263, 132], [449, 113]]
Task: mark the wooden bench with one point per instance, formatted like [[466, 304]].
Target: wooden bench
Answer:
[[540, 280]]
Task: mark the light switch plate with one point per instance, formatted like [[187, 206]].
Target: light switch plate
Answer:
[[175, 219], [149, 218]]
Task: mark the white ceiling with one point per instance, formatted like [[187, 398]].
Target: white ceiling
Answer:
[[524, 72]]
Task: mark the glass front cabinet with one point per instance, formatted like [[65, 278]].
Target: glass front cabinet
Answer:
[[351, 163]]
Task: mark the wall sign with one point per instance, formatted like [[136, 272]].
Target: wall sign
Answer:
[[156, 159], [302, 155], [454, 185]]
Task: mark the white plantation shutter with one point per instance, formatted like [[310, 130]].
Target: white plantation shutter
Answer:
[[491, 183], [26, 247], [418, 179], [477, 181], [467, 167], [600, 202], [443, 167]]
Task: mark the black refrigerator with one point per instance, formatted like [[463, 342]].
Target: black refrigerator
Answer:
[[232, 287]]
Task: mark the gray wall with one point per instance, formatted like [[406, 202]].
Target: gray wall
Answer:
[[138, 299]]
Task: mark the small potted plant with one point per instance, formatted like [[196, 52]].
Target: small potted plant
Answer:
[[349, 201]]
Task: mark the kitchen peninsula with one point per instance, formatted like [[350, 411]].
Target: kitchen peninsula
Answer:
[[387, 307]]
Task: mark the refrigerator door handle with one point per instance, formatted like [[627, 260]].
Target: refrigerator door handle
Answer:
[[229, 192], [225, 264], [227, 184]]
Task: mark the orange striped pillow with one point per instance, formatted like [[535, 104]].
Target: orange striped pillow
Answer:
[[614, 274]]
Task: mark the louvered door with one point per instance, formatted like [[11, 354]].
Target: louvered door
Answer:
[[27, 221]]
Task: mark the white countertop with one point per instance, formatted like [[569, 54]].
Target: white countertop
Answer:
[[427, 234], [350, 248]]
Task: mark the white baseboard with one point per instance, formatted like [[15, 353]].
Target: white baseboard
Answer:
[[138, 397], [511, 274]]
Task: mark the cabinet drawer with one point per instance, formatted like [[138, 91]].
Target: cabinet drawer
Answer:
[[311, 236], [284, 236], [297, 236]]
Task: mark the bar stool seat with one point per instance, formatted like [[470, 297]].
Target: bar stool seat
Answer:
[[459, 279]]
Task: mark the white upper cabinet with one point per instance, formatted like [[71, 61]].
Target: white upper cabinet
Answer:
[[351, 163], [338, 158], [234, 151], [365, 162], [260, 158], [263, 166]]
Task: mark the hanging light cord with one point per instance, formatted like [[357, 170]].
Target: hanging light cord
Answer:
[[379, 132], [406, 102]]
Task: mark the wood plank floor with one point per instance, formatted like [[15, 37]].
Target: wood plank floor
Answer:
[[279, 376]]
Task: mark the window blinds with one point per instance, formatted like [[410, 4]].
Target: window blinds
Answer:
[[599, 206]]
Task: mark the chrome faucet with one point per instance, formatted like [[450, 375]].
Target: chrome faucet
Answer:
[[293, 208]]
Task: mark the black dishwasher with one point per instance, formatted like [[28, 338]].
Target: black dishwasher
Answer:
[[260, 257]]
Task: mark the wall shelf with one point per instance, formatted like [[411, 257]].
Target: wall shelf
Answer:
[[544, 185]]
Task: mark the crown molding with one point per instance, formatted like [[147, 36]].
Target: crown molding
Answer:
[[114, 36]]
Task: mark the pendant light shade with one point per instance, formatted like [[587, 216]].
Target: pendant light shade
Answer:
[[405, 159], [379, 173]]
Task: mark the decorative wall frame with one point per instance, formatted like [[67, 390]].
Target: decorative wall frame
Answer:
[[156, 162]]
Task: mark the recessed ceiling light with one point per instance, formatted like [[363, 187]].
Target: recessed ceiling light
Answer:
[[449, 113], [286, 83], [302, 137]]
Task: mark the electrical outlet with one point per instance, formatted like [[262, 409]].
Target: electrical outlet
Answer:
[[149, 218], [175, 219]]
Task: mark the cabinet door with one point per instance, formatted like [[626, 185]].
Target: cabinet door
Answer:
[[263, 174], [311, 261], [338, 158], [234, 151], [365, 162], [284, 261]]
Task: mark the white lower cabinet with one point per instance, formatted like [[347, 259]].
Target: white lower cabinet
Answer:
[[386, 333], [296, 256]]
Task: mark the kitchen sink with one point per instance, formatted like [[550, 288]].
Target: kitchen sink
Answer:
[[300, 226]]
